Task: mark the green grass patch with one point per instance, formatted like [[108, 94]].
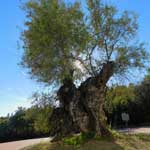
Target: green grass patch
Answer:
[[79, 139], [143, 137]]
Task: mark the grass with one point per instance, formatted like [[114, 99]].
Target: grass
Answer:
[[121, 142]]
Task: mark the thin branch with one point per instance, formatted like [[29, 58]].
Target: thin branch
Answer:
[[106, 49], [90, 59]]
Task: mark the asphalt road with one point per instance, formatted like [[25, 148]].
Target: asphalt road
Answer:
[[144, 130], [17, 145]]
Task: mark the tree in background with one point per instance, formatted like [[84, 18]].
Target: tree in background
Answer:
[[40, 112], [3, 128], [28, 123], [133, 99], [64, 44], [140, 108], [118, 100], [15, 126]]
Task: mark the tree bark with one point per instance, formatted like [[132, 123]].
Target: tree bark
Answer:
[[83, 106]]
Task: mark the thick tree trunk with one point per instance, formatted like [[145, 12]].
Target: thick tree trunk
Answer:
[[81, 109]]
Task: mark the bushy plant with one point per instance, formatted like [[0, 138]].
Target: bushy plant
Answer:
[[79, 139]]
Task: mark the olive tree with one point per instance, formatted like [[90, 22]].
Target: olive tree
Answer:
[[64, 43]]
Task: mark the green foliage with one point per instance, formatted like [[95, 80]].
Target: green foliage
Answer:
[[63, 41], [119, 96], [85, 137], [26, 123], [3, 127], [115, 134], [79, 139], [133, 99], [143, 137], [55, 31], [39, 118], [142, 103], [119, 99], [148, 74]]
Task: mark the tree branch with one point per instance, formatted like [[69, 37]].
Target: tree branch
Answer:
[[90, 59]]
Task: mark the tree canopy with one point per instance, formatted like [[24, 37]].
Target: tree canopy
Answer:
[[27, 123], [61, 40]]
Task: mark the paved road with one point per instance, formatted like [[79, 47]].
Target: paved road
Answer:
[[17, 145], [145, 130]]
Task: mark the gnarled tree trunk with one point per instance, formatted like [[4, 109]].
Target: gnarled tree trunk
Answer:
[[81, 109]]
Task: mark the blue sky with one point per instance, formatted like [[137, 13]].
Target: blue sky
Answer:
[[15, 85]]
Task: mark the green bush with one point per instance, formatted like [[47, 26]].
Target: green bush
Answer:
[[79, 139]]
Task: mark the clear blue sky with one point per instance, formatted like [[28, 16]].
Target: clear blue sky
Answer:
[[15, 85]]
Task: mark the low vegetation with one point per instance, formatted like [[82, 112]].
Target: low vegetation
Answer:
[[121, 142]]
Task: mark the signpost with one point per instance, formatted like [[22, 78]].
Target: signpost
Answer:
[[125, 118]]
